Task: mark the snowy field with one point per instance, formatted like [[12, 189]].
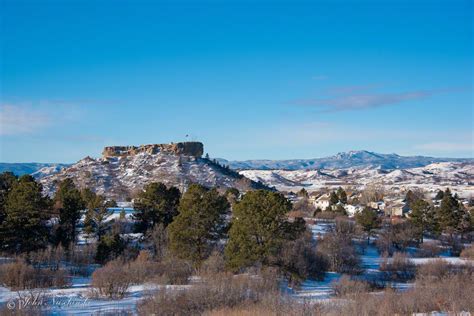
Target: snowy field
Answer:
[[76, 300]]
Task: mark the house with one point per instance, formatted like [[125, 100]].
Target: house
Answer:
[[379, 205], [322, 202], [397, 208]]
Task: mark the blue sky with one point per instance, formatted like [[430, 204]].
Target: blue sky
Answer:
[[250, 79]]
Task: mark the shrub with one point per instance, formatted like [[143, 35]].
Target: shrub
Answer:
[[143, 268], [397, 268], [299, 260], [220, 290], [49, 257], [451, 294], [175, 271], [439, 269], [112, 280], [348, 287], [468, 252], [326, 215], [436, 269], [429, 249], [19, 275], [339, 253], [213, 265]]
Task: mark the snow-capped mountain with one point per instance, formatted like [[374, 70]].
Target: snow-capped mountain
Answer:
[[121, 175], [456, 175], [28, 168], [351, 159]]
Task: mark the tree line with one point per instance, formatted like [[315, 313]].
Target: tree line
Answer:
[[193, 224]]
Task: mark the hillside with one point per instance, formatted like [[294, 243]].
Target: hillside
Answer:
[[29, 167], [351, 159], [120, 174], [459, 176]]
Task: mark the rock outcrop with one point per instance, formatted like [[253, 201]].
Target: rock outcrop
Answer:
[[194, 149], [125, 170]]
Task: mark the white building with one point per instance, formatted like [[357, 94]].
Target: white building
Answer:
[[322, 202]]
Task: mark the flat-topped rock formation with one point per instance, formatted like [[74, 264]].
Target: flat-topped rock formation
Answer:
[[125, 170], [194, 149]]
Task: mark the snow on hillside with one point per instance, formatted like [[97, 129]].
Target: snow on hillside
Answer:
[[457, 175], [120, 177]]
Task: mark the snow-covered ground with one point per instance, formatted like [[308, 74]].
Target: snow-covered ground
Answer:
[[458, 176], [76, 300], [321, 291]]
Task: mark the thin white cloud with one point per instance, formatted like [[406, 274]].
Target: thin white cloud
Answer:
[[364, 101], [16, 120]]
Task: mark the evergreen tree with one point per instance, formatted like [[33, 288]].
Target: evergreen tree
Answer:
[[341, 195], [449, 213], [109, 247], [199, 225], [303, 193], [232, 195], [7, 180], [368, 220], [156, 204], [96, 214], [412, 197], [422, 217], [259, 229], [340, 210], [439, 195], [25, 213], [68, 203], [333, 199]]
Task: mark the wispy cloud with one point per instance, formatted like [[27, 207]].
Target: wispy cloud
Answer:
[[351, 89], [349, 99], [19, 120], [364, 101]]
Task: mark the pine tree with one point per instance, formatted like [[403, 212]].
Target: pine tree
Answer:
[[303, 193], [68, 203], [439, 195], [368, 220], [7, 180], [26, 211], [341, 195], [109, 247], [96, 214], [422, 217], [449, 214], [259, 229], [333, 199], [156, 204], [200, 224]]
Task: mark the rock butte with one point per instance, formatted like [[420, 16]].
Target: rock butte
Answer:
[[194, 149]]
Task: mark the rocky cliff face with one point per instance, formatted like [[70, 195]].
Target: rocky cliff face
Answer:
[[125, 170], [194, 149]]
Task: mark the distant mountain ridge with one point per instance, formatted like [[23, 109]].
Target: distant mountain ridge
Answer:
[[351, 159], [21, 168]]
